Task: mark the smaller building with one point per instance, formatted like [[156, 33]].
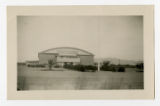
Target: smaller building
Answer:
[[32, 63]]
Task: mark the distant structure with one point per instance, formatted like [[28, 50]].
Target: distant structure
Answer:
[[66, 55], [32, 63]]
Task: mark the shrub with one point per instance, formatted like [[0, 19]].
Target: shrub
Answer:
[[68, 66], [107, 67], [36, 65], [81, 68], [50, 64], [139, 65], [121, 69], [56, 66], [90, 67]]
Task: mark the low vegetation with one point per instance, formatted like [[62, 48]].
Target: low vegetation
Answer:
[[36, 65], [106, 66], [50, 64], [82, 68], [139, 65]]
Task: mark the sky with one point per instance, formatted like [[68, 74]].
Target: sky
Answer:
[[105, 36]]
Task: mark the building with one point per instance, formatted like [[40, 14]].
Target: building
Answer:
[[66, 55], [32, 63]]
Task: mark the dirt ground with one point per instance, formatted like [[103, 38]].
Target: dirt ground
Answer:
[[62, 79]]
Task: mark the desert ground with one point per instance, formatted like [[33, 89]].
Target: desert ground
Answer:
[[30, 78]]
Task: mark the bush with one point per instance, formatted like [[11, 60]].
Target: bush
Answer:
[[68, 66], [56, 66], [81, 68], [121, 69], [107, 67], [90, 67], [36, 65], [50, 64], [139, 65]]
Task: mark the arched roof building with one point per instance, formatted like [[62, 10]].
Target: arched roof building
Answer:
[[66, 55]]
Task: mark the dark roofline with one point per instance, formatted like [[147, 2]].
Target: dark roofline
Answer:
[[66, 47]]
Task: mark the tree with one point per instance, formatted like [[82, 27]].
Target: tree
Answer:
[[50, 64], [105, 66], [140, 65]]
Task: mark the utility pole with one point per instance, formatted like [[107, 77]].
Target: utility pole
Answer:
[[98, 66]]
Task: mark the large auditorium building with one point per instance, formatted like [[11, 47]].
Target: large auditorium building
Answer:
[[66, 55]]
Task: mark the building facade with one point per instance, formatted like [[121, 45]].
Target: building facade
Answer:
[[66, 55]]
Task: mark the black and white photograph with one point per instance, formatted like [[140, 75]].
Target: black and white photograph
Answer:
[[80, 52]]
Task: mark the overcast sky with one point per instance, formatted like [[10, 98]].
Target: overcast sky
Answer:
[[105, 36]]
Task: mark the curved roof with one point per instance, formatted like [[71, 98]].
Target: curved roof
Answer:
[[67, 50]]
